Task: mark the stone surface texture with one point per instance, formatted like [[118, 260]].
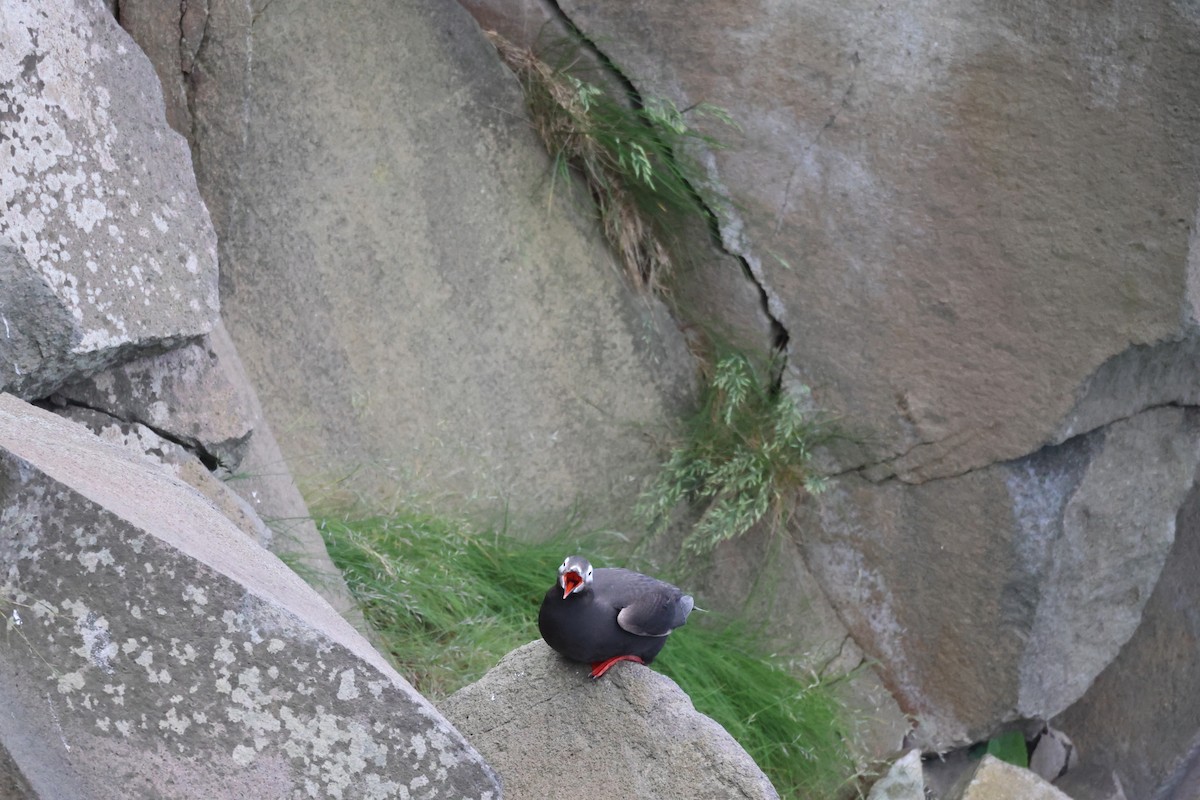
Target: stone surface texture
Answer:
[[903, 781], [994, 779], [413, 315], [184, 395], [1039, 582], [1140, 720], [762, 576], [153, 650], [550, 730], [143, 441], [267, 487], [975, 224], [105, 245]]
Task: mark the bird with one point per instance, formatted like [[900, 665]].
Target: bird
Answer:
[[602, 616]]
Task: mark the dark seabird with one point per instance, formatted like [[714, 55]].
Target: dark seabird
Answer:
[[604, 616]]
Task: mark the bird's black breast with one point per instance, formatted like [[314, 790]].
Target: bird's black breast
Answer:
[[583, 629]]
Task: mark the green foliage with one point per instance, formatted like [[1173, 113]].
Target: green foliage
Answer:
[[1010, 747], [746, 453], [448, 602], [634, 154]]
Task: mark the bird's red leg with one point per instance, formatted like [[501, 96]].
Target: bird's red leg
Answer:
[[601, 667]]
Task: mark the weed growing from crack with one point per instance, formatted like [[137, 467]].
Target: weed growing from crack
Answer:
[[746, 454], [634, 155], [748, 449]]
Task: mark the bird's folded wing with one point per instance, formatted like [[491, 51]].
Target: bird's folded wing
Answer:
[[655, 612]]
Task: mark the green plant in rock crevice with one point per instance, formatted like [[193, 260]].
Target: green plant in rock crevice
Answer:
[[746, 454], [634, 155], [748, 450]]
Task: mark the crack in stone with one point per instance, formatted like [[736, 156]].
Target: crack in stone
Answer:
[[210, 461], [843, 103], [863, 470], [779, 333]]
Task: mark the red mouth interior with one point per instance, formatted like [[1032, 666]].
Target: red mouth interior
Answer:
[[570, 582]]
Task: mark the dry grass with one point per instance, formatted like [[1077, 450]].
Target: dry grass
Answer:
[[631, 153]]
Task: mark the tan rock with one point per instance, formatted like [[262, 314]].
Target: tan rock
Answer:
[[994, 779], [548, 728]]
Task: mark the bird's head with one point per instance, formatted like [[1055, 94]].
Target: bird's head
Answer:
[[574, 575]]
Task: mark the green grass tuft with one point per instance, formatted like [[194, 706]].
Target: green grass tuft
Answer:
[[636, 155], [745, 453], [448, 602]]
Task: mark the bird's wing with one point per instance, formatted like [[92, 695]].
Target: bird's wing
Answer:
[[656, 611]]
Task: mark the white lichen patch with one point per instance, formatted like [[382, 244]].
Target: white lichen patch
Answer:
[[242, 755], [197, 597], [84, 153], [70, 682], [183, 652], [346, 687], [174, 722], [96, 644]]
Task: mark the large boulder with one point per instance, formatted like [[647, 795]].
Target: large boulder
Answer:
[[972, 224], [414, 314], [154, 650], [1140, 721], [549, 730], [105, 245]]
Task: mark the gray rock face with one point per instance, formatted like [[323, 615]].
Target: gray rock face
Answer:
[[410, 311], [183, 660], [903, 781], [984, 211], [183, 395], [105, 246], [1003, 192], [1140, 720], [1038, 583], [143, 441], [548, 729]]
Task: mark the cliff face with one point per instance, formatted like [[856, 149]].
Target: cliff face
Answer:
[[970, 227], [409, 308], [974, 222]]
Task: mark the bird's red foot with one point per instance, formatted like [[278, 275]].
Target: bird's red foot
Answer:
[[601, 667]]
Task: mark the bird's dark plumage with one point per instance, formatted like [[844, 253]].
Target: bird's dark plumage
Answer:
[[599, 616]]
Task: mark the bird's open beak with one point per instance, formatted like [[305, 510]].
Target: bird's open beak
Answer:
[[570, 582]]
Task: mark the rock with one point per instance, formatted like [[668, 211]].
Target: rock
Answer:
[[105, 245], [1054, 755], [745, 577], [268, 488], [153, 650], [1049, 567], [437, 328], [1096, 783], [973, 184], [183, 395], [183, 464], [951, 218], [547, 729], [994, 779], [1137, 726], [158, 30], [903, 781]]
